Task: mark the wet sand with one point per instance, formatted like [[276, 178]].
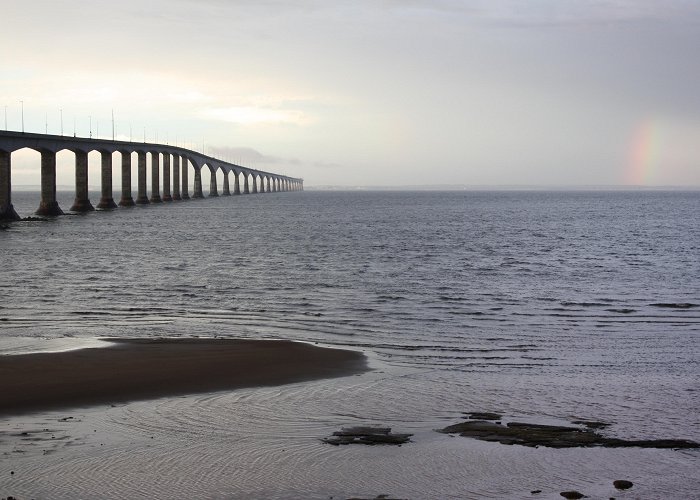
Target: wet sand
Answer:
[[136, 369]]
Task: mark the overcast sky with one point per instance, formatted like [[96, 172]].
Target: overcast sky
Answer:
[[370, 92]]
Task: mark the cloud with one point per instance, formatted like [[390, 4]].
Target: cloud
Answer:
[[248, 156], [252, 115]]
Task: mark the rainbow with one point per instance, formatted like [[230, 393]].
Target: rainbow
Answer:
[[644, 154]]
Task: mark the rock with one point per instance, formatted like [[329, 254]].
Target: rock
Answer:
[[535, 492], [367, 435], [554, 436], [623, 484], [572, 495]]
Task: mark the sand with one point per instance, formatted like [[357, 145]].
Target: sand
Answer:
[[137, 369]]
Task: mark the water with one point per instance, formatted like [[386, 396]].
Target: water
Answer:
[[545, 306]]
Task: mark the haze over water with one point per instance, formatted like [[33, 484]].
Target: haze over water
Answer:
[[545, 306]]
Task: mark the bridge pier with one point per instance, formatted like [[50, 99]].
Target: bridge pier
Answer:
[[198, 183], [142, 198], [185, 182], [48, 205], [246, 186], [255, 184], [213, 191], [176, 177], [236, 183], [126, 199], [82, 202], [155, 178], [106, 199], [7, 211], [166, 178], [227, 186]]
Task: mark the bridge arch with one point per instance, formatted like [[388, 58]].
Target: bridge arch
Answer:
[[174, 172]]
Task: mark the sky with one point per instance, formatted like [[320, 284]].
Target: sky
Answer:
[[371, 92]]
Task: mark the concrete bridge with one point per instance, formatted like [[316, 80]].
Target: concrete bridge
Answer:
[[175, 182]]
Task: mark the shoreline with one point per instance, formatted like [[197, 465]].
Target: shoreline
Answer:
[[141, 369]]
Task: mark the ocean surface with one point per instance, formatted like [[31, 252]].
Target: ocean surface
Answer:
[[543, 306]]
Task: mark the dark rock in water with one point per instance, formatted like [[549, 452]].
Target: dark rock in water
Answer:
[[479, 415], [573, 495], [535, 492], [367, 435], [553, 436], [623, 484]]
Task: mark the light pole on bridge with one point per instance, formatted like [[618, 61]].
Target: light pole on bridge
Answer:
[[22, 102]]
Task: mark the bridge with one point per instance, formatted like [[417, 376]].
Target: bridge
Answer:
[[175, 178]]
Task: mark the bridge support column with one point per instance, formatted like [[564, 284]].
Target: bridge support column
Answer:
[[106, 199], [126, 199], [213, 191], [142, 198], [185, 182], [198, 183], [227, 186], [7, 211], [246, 186], [176, 177], [255, 185], [155, 178], [166, 178], [236, 183], [48, 204], [82, 202]]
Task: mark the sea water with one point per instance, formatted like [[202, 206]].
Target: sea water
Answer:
[[543, 306]]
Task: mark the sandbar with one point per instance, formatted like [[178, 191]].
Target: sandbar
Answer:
[[138, 369]]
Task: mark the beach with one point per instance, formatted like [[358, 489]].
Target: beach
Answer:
[[137, 369]]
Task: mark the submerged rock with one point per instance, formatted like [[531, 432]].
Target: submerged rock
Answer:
[[572, 495], [623, 484], [366, 435], [554, 436]]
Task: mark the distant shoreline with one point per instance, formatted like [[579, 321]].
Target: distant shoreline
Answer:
[[137, 369]]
